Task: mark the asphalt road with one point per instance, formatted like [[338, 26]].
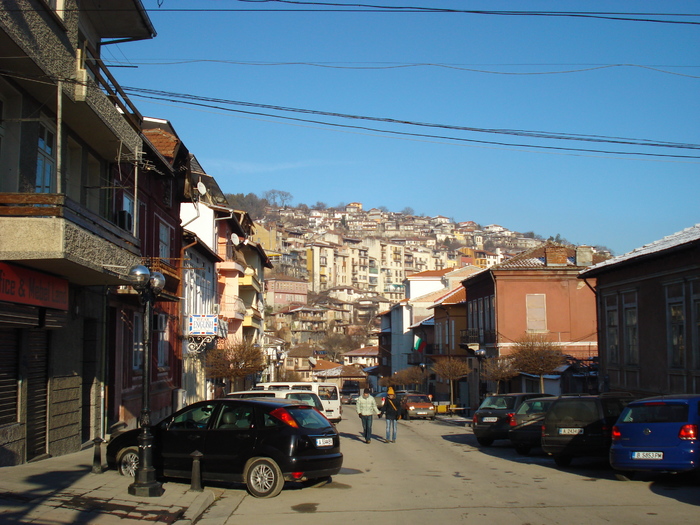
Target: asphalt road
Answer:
[[437, 473]]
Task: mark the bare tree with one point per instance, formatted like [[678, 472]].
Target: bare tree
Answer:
[[451, 369], [498, 369], [277, 197], [234, 360], [413, 375], [536, 354]]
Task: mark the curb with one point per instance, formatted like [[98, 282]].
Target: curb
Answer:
[[198, 507]]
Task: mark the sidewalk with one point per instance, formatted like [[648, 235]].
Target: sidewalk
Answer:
[[64, 490]]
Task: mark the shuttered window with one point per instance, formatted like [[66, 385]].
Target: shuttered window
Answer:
[[9, 374], [536, 312]]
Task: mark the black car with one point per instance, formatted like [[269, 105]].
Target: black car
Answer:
[[491, 421], [257, 441], [526, 424], [581, 425]]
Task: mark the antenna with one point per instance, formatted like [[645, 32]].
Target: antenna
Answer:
[[312, 360], [201, 188], [235, 240]]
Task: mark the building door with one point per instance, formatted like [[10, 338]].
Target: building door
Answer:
[[37, 389]]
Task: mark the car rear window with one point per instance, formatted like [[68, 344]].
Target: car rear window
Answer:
[[656, 413], [534, 407], [580, 410], [310, 399], [507, 402], [309, 418]]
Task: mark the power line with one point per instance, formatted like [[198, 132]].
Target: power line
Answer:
[[216, 104], [384, 66], [330, 7], [516, 132]]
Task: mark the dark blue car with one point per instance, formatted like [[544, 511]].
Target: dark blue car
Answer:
[[657, 434]]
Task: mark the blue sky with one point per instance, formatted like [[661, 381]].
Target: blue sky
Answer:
[[559, 75]]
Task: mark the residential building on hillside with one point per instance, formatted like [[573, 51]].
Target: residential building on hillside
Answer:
[[281, 291], [649, 316]]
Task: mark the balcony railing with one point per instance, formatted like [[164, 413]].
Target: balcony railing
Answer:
[[477, 336]]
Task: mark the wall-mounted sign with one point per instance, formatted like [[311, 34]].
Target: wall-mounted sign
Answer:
[[203, 325], [19, 285]]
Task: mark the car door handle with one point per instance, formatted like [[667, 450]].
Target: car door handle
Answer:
[[193, 437]]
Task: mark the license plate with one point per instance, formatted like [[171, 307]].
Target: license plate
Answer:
[[324, 442], [647, 455], [570, 431], [490, 419], [422, 413]]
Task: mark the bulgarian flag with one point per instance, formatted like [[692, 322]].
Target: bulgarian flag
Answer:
[[419, 345]]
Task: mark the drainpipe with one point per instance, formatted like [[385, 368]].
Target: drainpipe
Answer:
[[59, 134]]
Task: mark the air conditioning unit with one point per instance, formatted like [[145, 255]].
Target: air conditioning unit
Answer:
[[125, 221]]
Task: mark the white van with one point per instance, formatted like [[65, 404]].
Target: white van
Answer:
[[303, 396], [327, 392]]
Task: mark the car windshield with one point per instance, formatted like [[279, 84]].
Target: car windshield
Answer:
[[655, 413], [417, 399], [506, 402]]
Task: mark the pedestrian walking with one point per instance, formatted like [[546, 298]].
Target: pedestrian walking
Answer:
[[366, 409], [390, 411]]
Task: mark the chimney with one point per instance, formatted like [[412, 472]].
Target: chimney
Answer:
[[555, 256], [584, 256]]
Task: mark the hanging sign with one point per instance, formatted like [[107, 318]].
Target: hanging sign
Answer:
[[203, 325]]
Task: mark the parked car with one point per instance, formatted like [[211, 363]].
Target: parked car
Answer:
[[581, 425], [303, 396], [379, 397], [261, 442], [657, 434], [348, 398], [526, 423], [417, 406], [491, 420]]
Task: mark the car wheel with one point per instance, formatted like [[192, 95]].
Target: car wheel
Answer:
[[623, 475], [263, 478], [485, 442], [562, 461], [128, 461], [522, 449]]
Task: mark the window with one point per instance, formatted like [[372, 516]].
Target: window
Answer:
[[137, 348], [696, 325], [164, 241], [629, 302], [160, 323], [612, 336], [675, 322], [536, 312], [46, 160]]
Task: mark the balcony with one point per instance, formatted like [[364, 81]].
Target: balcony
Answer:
[[52, 233], [250, 280], [476, 336], [232, 307]]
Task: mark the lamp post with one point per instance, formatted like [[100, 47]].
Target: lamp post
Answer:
[[480, 353], [149, 285]]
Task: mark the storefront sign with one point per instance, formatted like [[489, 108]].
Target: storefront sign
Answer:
[[203, 325], [19, 285]]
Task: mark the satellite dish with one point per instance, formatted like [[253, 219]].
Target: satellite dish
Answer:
[[201, 188], [312, 361], [235, 240]]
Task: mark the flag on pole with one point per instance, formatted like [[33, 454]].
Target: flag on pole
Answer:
[[419, 345]]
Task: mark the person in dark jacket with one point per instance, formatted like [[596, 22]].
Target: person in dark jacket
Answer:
[[390, 410]]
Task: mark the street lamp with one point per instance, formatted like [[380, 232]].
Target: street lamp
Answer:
[[149, 285], [480, 353]]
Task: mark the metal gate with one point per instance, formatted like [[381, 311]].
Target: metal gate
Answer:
[[37, 393]]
